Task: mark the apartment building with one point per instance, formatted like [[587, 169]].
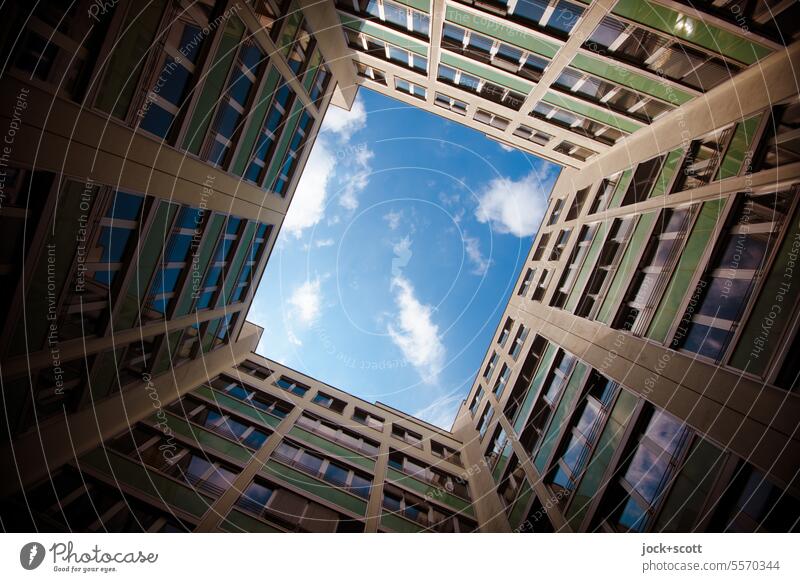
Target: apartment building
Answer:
[[641, 377]]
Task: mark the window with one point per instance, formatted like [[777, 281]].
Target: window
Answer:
[[526, 282], [234, 103], [429, 516], [524, 381], [541, 247], [329, 402], [644, 477], [579, 124], [412, 89], [371, 73], [495, 447], [220, 421], [574, 151], [782, 145], [604, 193], [561, 242], [260, 400], [519, 340], [541, 286], [292, 512], [582, 435], [487, 371], [392, 14], [319, 85], [505, 332], [321, 467], [556, 212], [271, 131], [703, 159], [481, 87], [476, 400], [334, 432], [502, 380], [446, 453], [368, 419], [411, 437], [485, 419], [605, 267], [421, 470], [255, 370], [292, 386], [732, 274], [387, 52], [292, 157], [451, 103], [567, 281], [198, 470], [577, 203], [488, 118], [654, 269], [559, 18], [752, 503], [533, 135], [549, 397]]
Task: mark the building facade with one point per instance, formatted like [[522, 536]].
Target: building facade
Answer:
[[640, 379]]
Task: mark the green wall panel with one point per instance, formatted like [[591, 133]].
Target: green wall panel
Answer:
[[399, 524], [616, 73], [291, 23], [424, 5], [681, 278], [487, 73], [627, 266], [499, 31], [332, 448], [502, 462], [214, 85], [315, 487], [521, 417], [128, 472], [242, 251], [600, 115], [435, 494], [236, 521], [737, 150], [696, 31], [769, 317]]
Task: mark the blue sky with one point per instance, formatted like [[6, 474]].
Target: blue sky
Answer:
[[401, 247]]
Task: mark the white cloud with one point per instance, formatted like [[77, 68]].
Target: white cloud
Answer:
[[415, 333], [306, 302], [514, 206], [393, 218], [505, 148], [442, 411], [359, 178], [345, 123], [308, 203], [480, 264], [325, 242]]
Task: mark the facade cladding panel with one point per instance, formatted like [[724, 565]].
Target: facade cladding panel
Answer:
[[667, 256]]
